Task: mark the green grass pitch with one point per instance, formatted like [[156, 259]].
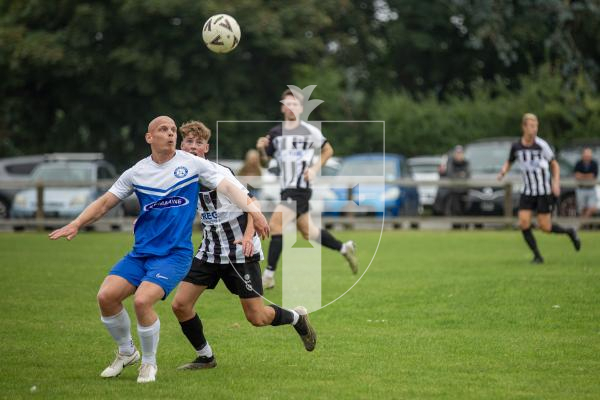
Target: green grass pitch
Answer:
[[439, 315]]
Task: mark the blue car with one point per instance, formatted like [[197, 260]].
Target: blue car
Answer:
[[367, 174]]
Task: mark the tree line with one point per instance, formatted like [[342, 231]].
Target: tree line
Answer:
[[89, 75]]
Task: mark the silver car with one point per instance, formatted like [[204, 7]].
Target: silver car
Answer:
[[84, 181]]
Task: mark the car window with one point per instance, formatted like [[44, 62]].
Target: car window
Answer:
[[369, 167], [71, 173], [487, 158], [21, 168], [105, 173]]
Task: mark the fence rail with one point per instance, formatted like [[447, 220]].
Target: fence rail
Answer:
[[40, 222]]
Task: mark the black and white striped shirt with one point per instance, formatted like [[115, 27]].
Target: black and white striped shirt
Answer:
[[294, 151], [534, 162], [223, 223]]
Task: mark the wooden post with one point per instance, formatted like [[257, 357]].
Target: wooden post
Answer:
[[508, 204], [39, 214]]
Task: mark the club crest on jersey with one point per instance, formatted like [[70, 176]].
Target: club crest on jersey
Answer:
[[180, 172], [169, 202]]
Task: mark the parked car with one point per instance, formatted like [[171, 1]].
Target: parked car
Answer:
[[378, 199], [485, 157], [15, 171], [425, 168], [67, 201]]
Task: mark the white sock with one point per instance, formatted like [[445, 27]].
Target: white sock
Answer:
[[119, 327], [269, 273], [296, 317], [343, 249], [206, 351], [149, 339]]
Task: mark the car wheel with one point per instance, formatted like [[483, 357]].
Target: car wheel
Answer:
[[567, 206], [3, 208]]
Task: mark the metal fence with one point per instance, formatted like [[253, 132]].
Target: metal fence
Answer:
[[346, 221]]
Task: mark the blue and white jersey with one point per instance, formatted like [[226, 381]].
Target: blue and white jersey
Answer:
[[168, 196], [223, 223]]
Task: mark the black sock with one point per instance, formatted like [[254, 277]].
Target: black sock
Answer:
[[556, 228], [282, 316], [192, 329], [528, 236], [327, 240], [274, 252]]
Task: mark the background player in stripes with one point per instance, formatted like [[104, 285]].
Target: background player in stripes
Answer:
[[540, 188], [166, 184], [293, 144], [230, 251]]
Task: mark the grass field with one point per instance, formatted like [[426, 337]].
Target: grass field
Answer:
[[439, 315]]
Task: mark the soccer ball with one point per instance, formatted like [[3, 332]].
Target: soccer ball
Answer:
[[221, 33]]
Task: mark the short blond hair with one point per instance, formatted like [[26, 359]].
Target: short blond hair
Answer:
[[527, 117], [195, 129]]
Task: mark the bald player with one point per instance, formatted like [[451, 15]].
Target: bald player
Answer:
[[166, 184]]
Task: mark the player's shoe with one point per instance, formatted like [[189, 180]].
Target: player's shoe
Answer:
[[537, 260], [120, 362], [574, 238], [305, 330], [200, 362], [147, 373], [350, 255], [268, 282]]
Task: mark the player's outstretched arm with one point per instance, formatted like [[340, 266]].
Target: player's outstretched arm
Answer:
[[92, 213], [241, 199]]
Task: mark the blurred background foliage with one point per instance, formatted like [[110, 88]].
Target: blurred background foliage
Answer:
[[89, 75]]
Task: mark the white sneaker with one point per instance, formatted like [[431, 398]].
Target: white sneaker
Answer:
[[350, 255], [147, 373], [120, 362], [268, 282]]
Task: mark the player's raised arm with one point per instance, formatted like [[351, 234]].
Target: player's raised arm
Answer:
[[261, 145], [241, 199], [92, 213]]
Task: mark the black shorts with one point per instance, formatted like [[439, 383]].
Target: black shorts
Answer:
[[542, 204], [300, 196], [242, 279]]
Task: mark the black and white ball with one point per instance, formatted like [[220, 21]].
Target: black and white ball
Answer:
[[221, 33]]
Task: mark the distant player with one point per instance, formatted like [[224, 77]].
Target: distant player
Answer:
[[230, 251], [536, 158], [166, 184], [293, 144]]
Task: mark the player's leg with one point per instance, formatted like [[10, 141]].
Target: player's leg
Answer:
[[148, 327], [282, 216], [308, 229], [162, 275], [183, 307], [525, 225], [260, 315], [545, 222], [117, 286], [244, 280]]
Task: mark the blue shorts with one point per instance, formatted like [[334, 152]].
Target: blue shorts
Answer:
[[165, 271]]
